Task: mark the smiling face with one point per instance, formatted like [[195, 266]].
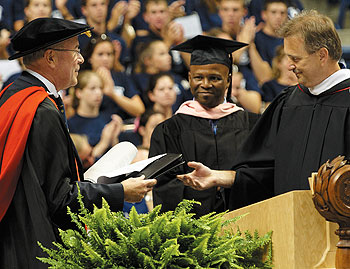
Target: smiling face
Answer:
[[209, 83], [307, 67]]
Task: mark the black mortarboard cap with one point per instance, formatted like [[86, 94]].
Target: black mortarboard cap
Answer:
[[209, 50], [44, 32]]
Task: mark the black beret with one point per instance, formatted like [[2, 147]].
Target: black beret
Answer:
[[209, 50], [44, 32]]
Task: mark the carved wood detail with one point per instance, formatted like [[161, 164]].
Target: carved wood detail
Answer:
[[332, 200]]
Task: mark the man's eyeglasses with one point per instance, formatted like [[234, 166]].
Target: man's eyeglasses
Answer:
[[77, 51]]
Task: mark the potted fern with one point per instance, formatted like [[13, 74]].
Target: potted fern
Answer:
[[169, 240]]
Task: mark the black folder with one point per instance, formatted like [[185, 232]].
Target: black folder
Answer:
[[165, 164]]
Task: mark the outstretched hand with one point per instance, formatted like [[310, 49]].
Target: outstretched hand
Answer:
[[199, 179], [203, 178]]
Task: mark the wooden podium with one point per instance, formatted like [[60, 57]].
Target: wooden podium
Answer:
[[301, 237]]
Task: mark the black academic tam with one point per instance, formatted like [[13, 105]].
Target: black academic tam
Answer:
[[210, 50], [44, 32]]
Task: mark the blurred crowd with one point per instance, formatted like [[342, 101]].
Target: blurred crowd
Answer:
[[131, 81], [130, 73]]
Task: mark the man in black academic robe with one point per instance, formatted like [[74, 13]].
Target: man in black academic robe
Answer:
[[304, 131], [194, 137], [304, 126], [45, 186], [38, 182], [206, 129]]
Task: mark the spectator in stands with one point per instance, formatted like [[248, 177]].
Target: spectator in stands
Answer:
[[102, 130], [161, 93], [248, 60], [282, 77], [249, 100], [12, 14], [120, 95], [266, 40], [207, 12], [117, 15], [95, 12], [176, 9], [161, 27], [155, 58], [255, 8], [37, 9], [121, 15], [67, 9], [232, 15]]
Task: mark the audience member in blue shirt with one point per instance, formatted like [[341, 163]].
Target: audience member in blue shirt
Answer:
[[153, 59], [102, 130], [120, 95], [236, 27], [161, 93], [266, 40], [255, 8], [95, 13], [159, 18], [207, 12], [12, 14]]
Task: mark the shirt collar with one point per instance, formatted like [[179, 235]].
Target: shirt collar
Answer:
[[51, 88], [331, 81]]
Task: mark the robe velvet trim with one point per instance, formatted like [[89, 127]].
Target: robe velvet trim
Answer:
[[17, 115], [306, 90]]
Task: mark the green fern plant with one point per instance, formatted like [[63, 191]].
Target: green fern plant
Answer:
[[174, 239]]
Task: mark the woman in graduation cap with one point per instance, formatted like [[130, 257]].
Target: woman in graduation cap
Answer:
[[210, 129], [39, 166]]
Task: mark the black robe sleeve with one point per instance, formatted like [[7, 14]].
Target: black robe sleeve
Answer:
[[54, 169], [255, 162]]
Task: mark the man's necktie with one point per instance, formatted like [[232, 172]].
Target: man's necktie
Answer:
[[60, 106], [214, 125]]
